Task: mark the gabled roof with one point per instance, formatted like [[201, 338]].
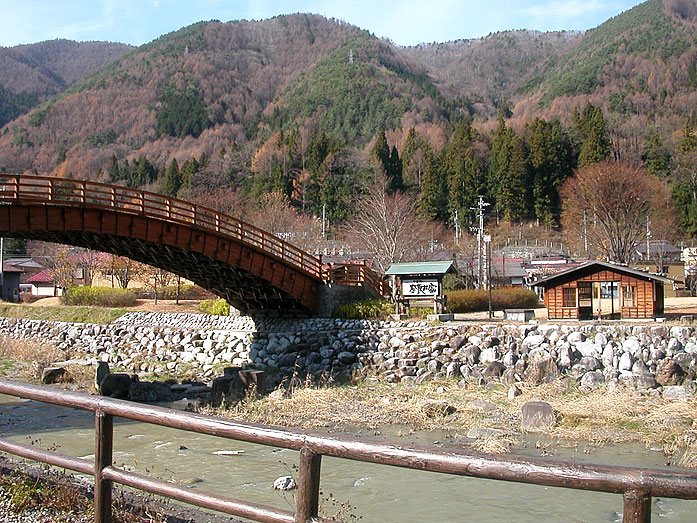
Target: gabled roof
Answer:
[[41, 277], [414, 268], [596, 266], [8, 267]]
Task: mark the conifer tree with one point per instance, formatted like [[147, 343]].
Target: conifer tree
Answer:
[[414, 154], [432, 202], [550, 156], [394, 172], [173, 179], [592, 134], [508, 174], [464, 172]]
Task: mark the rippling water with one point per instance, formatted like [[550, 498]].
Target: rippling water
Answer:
[[378, 493]]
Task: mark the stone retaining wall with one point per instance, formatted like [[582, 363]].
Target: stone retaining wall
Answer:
[[642, 356]]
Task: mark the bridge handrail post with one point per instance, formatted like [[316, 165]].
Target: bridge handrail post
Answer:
[[83, 190], [50, 190], [103, 457], [637, 507], [307, 500], [15, 185]]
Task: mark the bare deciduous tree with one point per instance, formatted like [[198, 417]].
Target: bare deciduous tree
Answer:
[[608, 203], [275, 214], [122, 270], [387, 226]]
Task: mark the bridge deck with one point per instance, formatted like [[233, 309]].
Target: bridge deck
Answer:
[[249, 267]]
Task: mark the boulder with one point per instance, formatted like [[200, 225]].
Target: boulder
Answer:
[[669, 373], [284, 483], [495, 369], [537, 416], [677, 392], [117, 385], [592, 380], [436, 408], [52, 375], [541, 368]]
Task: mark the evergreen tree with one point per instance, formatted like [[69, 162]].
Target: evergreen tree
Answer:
[[381, 152], [464, 173], [592, 135], [684, 189], [433, 199], [173, 179], [188, 171], [414, 154], [114, 171], [143, 172], [656, 156], [394, 172], [550, 156], [508, 174]]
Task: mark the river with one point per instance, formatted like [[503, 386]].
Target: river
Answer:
[[377, 493]]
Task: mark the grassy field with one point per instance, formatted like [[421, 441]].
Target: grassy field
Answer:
[[67, 313]]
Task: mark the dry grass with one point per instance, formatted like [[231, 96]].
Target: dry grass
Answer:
[[598, 417], [26, 360]]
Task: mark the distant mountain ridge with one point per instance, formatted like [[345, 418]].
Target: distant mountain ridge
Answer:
[[31, 73], [215, 88]]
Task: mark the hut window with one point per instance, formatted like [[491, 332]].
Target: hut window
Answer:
[[629, 296], [569, 297]]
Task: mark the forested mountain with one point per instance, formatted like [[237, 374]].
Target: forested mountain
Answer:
[[490, 71], [308, 107], [31, 73]]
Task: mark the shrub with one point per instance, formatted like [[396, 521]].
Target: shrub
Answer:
[[99, 296], [365, 310], [219, 307], [469, 300], [186, 292]]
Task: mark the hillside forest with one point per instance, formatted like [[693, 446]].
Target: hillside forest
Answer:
[[296, 123]]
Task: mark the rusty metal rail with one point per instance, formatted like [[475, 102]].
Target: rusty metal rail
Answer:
[[638, 486], [47, 190]]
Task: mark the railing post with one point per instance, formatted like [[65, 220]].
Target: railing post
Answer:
[[104, 438], [637, 507], [307, 500]]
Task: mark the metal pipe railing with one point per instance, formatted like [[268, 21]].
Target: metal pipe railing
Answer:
[[638, 486]]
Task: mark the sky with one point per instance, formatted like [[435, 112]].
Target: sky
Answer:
[[405, 22]]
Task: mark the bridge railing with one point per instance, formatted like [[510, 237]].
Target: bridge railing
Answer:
[[637, 485], [49, 190], [356, 273]]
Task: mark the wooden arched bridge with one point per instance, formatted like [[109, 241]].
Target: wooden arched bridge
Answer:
[[252, 269]]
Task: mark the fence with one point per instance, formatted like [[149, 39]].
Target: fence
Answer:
[[47, 190], [357, 273], [637, 485]]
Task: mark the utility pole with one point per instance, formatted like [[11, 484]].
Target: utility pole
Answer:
[[480, 241], [324, 221], [487, 242], [2, 268], [648, 238], [457, 228]]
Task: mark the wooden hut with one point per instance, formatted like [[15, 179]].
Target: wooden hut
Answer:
[[603, 290]]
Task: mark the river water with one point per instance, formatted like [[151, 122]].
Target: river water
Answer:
[[377, 493]]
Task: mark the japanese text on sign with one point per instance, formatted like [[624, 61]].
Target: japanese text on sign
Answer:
[[420, 288]]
